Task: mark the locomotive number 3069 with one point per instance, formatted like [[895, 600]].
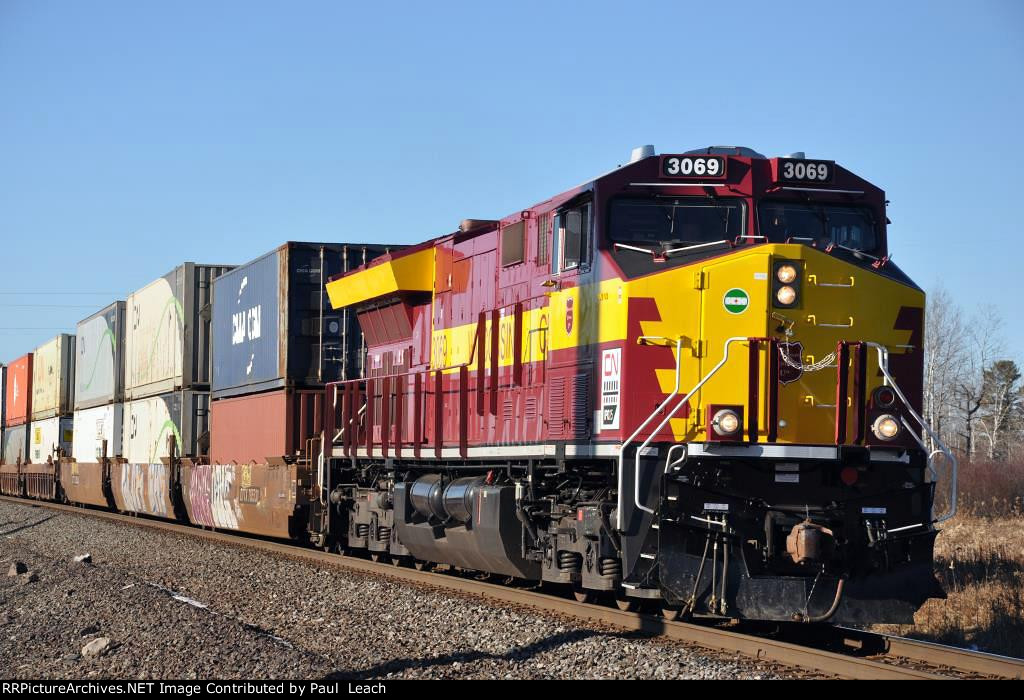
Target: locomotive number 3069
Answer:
[[693, 166], [805, 170]]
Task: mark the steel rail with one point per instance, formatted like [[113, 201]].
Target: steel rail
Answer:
[[802, 656], [963, 660]]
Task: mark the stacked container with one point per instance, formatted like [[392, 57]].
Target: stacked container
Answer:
[[99, 384], [3, 407], [275, 338], [18, 407], [53, 390], [167, 364]]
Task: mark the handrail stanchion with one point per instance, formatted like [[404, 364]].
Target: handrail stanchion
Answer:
[[664, 422], [753, 389], [622, 449], [883, 364]]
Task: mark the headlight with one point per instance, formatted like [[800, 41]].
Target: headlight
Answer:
[[886, 427], [786, 274], [726, 422], [786, 295]]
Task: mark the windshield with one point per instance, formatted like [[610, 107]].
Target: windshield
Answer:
[[674, 222], [852, 227]]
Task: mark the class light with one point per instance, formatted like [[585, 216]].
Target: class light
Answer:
[[786, 295], [726, 422], [886, 427], [884, 397], [786, 274]]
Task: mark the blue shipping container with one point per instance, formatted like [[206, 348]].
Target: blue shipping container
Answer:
[[266, 325]]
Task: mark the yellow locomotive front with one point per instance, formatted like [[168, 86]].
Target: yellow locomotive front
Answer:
[[779, 468]]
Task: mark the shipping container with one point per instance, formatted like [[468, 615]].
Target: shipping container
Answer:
[[92, 427], [51, 437], [3, 406], [273, 325], [148, 423], [99, 358], [16, 444], [53, 378], [19, 391], [264, 427], [167, 332]]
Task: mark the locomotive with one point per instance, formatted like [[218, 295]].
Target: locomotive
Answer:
[[693, 381]]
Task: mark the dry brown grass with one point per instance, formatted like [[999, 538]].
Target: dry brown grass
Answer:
[[979, 557]]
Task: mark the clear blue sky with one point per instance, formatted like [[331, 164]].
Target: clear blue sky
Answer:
[[135, 135]]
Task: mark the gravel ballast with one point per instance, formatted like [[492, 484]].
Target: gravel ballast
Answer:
[[154, 605]]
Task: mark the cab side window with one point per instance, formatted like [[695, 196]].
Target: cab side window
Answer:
[[571, 238]]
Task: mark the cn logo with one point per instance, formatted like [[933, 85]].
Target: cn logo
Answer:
[[611, 364]]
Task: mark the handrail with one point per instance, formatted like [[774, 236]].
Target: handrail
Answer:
[[672, 413], [622, 449], [661, 426], [883, 364]]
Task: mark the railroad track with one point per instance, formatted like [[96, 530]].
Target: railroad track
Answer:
[[831, 651]]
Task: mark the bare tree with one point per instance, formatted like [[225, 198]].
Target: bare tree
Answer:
[[945, 355], [983, 344]]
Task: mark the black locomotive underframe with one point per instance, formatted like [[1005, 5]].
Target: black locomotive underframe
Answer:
[[715, 547]]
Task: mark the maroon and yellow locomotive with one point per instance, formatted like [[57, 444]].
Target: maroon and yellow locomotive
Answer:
[[694, 380]]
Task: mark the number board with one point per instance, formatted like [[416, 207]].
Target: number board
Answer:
[[801, 170], [695, 167]]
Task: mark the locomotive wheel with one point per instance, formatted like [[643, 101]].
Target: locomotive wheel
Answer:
[[377, 557], [400, 562], [582, 595], [626, 604], [420, 565], [671, 612]]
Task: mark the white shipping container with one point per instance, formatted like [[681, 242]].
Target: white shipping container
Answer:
[[99, 358], [92, 427], [167, 332], [15, 444], [148, 423], [50, 438], [53, 378]]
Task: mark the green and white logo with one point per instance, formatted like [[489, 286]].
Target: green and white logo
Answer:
[[736, 300]]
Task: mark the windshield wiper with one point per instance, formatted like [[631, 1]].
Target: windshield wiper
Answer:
[[669, 252], [856, 251], [636, 248]]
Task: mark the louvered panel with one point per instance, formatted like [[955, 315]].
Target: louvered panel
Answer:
[[530, 410], [581, 406], [556, 407]]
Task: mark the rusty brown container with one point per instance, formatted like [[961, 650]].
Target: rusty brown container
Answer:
[[40, 480], [85, 483], [260, 499], [143, 488], [10, 480], [262, 428]]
